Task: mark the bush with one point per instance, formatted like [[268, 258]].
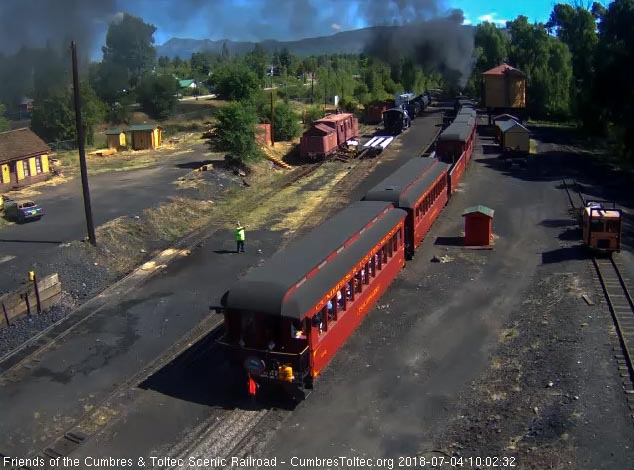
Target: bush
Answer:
[[157, 95], [286, 123], [312, 114], [235, 131]]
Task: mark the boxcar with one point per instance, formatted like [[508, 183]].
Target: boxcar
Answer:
[[286, 319], [318, 142], [345, 125], [420, 188]]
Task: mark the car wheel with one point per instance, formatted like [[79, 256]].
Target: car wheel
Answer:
[[20, 219]]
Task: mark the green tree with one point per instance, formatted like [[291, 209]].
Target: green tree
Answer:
[[4, 122], [256, 61], [157, 95], [548, 65], [313, 113], [234, 81], [286, 124], [235, 131], [130, 46], [577, 28], [53, 117], [614, 67], [93, 111]]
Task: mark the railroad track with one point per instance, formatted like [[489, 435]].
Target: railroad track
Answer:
[[621, 306], [618, 297]]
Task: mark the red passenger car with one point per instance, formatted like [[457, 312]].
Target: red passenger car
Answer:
[[286, 319], [420, 188]]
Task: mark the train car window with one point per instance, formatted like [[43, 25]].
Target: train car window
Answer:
[[398, 237], [384, 253], [358, 284], [377, 261], [612, 226], [343, 302], [366, 273], [394, 243], [596, 226]]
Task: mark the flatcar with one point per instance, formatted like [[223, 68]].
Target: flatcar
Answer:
[[286, 319], [420, 188], [396, 120], [601, 227]]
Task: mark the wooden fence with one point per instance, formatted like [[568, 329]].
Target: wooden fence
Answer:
[[32, 299]]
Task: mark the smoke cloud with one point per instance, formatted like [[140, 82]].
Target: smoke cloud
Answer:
[[432, 41], [37, 23]]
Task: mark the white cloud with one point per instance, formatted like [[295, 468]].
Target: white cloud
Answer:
[[491, 18], [335, 26], [467, 21]]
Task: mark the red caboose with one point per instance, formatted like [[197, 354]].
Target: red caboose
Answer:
[[420, 188], [286, 319], [317, 142]]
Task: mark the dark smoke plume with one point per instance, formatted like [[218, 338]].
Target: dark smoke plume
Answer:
[[419, 34], [36, 23]]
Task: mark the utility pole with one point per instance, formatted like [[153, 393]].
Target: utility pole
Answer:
[[272, 120], [312, 88], [82, 149]]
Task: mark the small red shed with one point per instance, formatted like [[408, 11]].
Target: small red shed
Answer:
[[478, 226]]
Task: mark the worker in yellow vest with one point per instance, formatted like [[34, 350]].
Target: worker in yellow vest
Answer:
[[239, 238]]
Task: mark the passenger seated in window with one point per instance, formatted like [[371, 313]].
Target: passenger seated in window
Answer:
[[339, 298], [318, 320], [348, 291], [296, 330]]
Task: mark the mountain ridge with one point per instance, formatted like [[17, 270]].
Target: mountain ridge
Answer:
[[344, 42]]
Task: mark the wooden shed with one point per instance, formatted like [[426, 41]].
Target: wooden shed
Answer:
[[116, 139], [145, 136], [23, 159], [514, 136], [504, 87], [478, 226]]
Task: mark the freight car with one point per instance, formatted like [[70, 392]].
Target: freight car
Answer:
[[396, 120], [285, 320], [327, 135]]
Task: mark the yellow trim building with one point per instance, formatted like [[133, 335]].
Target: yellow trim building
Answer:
[[145, 136], [23, 159], [116, 139]]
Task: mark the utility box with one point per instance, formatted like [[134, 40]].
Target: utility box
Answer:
[[478, 226]]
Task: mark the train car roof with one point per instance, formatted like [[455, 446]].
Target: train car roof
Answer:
[[600, 213], [467, 111], [319, 129], [457, 131], [407, 184], [335, 117], [282, 286], [393, 111]]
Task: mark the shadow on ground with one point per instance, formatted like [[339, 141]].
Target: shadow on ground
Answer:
[[206, 375]]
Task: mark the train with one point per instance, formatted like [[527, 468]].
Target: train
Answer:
[[601, 225], [328, 135], [286, 319], [407, 108]]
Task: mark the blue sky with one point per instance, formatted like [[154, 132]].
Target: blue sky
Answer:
[[254, 20]]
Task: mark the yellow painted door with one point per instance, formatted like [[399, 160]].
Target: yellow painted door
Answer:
[[5, 177]]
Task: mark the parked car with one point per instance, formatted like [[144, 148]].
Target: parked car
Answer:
[[21, 211]]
